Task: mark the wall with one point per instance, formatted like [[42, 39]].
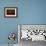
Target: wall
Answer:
[[29, 12]]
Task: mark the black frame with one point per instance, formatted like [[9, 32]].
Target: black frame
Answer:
[[11, 16]]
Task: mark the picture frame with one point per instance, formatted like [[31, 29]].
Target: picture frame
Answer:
[[41, 28], [10, 12]]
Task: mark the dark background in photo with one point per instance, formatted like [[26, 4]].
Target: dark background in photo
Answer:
[[10, 12]]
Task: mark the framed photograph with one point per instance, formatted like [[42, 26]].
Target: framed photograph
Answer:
[[11, 12], [33, 32]]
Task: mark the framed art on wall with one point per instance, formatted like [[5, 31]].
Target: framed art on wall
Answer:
[[11, 12], [33, 32]]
